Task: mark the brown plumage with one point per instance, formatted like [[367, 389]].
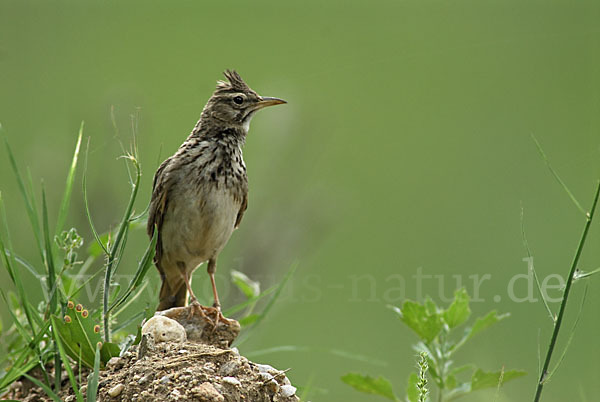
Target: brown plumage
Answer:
[[201, 192]]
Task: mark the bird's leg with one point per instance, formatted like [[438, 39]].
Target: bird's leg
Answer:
[[188, 285], [193, 300], [211, 268]]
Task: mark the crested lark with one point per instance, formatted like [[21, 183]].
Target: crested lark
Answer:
[[201, 192]]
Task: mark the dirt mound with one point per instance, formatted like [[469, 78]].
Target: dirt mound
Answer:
[[191, 371]]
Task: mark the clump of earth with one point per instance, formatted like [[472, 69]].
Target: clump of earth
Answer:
[[174, 364]]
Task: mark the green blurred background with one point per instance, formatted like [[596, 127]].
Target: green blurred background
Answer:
[[406, 145]]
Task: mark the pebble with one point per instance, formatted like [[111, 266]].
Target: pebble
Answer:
[[265, 368], [164, 329], [265, 376], [272, 386], [229, 368], [165, 379], [207, 391], [116, 390], [210, 367], [115, 363], [232, 381], [70, 398], [288, 390]]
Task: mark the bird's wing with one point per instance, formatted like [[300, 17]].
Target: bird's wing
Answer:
[[243, 207], [158, 208]]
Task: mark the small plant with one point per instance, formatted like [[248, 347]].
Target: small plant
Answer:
[[58, 332], [574, 274], [437, 330]]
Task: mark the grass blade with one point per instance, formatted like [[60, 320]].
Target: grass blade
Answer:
[[18, 367], [29, 206], [92, 389], [49, 259], [87, 205], [8, 261], [64, 206], [46, 388], [243, 305], [116, 246], [571, 335], [62, 355], [140, 273], [557, 177], [530, 260], [270, 304]]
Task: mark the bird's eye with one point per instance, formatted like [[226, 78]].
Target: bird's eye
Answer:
[[238, 100]]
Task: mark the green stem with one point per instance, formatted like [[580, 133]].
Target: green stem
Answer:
[[113, 257], [565, 297]]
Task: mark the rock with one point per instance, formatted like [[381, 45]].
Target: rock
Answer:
[[116, 390], [115, 363], [200, 328], [164, 329], [207, 392], [229, 368], [288, 390], [232, 381]]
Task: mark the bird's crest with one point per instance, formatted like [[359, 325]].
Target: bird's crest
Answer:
[[236, 83]]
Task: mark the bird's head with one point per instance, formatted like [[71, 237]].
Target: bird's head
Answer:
[[234, 103]]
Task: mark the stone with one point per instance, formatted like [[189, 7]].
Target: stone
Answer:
[[116, 390], [232, 381], [207, 392], [164, 329], [288, 390]]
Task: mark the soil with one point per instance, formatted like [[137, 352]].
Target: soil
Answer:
[[178, 371]]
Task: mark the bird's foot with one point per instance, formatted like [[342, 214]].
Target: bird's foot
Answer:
[[218, 316], [209, 314]]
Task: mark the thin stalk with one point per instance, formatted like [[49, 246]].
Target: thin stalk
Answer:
[[563, 303], [113, 257]]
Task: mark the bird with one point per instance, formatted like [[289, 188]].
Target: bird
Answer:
[[200, 193]]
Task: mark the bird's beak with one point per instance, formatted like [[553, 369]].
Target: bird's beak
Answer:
[[265, 101]]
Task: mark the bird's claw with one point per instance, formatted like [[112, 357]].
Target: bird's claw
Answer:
[[210, 314]]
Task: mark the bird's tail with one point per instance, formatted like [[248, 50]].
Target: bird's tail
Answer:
[[169, 298]]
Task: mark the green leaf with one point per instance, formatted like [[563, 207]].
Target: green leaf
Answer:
[[462, 369], [412, 393], [482, 379], [249, 319], [364, 383], [270, 304], [484, 322], [425, 321], [48, 256], [248, 287], [459, 310], [108, 351], [140, 273], [92, 389], [28, 198], [451, 382], [64, 206], [67, 365], [79, 338]]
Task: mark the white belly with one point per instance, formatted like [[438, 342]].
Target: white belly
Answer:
[[197, 228]]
